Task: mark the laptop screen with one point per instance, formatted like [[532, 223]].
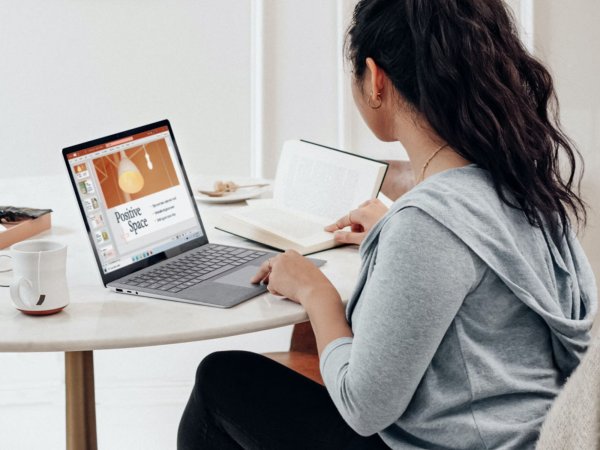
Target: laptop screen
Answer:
[[134, 197]]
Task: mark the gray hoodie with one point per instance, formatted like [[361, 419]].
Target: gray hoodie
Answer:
[[466, 321]]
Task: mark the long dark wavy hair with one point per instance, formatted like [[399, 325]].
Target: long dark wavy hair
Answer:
[[461, 64]]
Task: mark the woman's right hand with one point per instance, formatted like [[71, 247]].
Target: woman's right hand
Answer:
[[360, 221]]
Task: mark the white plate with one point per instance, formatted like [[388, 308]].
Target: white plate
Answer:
[[238, 196]]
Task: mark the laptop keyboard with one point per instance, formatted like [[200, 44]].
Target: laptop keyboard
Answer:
[[193, 268]]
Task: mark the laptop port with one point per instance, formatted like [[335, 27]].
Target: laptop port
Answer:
[[119, 290]]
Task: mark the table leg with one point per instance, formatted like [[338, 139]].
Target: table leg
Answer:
[[81, 402]]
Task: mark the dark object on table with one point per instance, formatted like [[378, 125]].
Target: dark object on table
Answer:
[[11, 214]]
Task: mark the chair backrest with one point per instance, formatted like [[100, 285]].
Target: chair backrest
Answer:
[[573, 422], [303, 339]]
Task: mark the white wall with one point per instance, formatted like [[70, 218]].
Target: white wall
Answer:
[[306, 84], [567, 38], [73, 71], [77, 70], [299, 74]]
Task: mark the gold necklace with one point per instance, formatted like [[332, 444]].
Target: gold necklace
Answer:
[[424, 168]]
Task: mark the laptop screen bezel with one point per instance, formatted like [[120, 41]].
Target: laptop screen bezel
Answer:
[[151, 260]]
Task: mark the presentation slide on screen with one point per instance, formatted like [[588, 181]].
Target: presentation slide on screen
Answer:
[[142, 192]]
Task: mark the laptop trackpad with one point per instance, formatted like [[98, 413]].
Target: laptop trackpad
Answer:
[[240, 277]]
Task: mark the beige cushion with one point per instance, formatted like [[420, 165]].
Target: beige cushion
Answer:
[[573, 422]]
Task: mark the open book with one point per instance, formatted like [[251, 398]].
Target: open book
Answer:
[[314, 186]]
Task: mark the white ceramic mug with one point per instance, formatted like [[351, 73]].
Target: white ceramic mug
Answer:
[[39, 285]]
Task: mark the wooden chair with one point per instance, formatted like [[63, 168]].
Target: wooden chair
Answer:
[[303, 356]]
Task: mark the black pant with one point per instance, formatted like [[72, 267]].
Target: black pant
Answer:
[[243, 400]]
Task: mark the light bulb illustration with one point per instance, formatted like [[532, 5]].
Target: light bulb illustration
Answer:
[[148, 160], [131, 180]]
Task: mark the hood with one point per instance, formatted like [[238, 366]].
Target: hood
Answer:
[[554, 279]]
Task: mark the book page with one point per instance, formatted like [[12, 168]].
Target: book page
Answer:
[[304, 229], [324, 182]]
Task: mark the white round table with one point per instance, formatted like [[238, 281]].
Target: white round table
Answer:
[[99, 319]]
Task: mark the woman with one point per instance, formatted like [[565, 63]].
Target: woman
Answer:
[[474, 301]]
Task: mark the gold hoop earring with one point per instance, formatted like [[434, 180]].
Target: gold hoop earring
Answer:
[[377, 106]]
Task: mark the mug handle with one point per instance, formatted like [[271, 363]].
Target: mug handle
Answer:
[[5, 270], [15, 292]]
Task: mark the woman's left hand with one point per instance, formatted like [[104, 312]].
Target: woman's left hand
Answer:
[[293, 276]]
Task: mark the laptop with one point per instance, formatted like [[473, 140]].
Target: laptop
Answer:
[[144, 226]]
